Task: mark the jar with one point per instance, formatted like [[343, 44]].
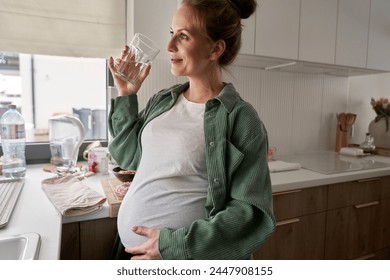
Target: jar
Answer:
[[378, 129], [368, 145]]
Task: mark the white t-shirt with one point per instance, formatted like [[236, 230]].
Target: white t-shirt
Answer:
[[170, 186]]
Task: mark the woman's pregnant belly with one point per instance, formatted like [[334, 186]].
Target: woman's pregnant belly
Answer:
[[161, 204]]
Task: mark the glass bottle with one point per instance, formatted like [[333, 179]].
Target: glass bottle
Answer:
[[13, 143], [368, 144]]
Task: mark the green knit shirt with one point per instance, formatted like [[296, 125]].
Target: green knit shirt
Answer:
[[239, 195]]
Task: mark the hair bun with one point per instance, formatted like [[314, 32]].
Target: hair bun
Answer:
[[245, 8]]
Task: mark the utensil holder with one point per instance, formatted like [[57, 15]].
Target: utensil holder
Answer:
[[342, 139]]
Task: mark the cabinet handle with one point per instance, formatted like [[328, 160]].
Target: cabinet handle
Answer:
[[287, 222], [368, 180], [358, 206], [286, 192], [366, 257]]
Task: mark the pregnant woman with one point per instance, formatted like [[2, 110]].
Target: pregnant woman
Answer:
[[202, 188]]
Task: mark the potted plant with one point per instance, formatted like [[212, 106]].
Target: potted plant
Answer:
[[379, 127]]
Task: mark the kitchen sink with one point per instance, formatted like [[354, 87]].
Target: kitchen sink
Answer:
[[23, 246]]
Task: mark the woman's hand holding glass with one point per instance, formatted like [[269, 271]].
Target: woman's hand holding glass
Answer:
[[124, 87]]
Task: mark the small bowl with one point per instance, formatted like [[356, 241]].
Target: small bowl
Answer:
[[123, 177]]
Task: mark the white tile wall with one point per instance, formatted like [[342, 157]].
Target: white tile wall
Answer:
[[298, 110]]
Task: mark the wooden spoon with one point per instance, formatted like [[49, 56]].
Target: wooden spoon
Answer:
[[342, 117], [350, 119]]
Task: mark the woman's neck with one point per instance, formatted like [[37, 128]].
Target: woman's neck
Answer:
[[202, 90]]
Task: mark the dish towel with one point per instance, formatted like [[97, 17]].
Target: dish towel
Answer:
[[71, 197], [352, 152], [278, 166]]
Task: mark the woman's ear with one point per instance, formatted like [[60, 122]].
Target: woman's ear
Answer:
[[218, 49]]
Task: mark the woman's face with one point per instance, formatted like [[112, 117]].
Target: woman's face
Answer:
[[189, 48]]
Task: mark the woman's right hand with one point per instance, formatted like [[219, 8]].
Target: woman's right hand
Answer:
[[124, 87]]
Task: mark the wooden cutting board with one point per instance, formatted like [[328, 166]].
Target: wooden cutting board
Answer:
[[109, 186]]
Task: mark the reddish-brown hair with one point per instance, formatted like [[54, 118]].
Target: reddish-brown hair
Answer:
[[221, 20]]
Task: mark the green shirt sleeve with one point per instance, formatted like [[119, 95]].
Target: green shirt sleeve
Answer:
[[124, 124]]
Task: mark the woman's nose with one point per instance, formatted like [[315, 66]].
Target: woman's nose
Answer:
[[171, 46]]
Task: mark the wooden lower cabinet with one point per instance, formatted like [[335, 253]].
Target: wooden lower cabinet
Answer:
[[358, 219], [70, 242], [300, 238], [300, 229], [88, 240], [349, 220], [352, 232]]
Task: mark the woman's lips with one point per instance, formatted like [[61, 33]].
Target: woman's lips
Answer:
[[175, 60]]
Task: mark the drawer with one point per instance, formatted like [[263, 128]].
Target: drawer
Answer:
[[354, 192], [300, 238], [299, 202], [353, 231]]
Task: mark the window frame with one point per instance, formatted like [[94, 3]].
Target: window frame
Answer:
[[39, 152]]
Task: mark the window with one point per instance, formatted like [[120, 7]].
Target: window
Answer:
[[43, 86], [60, 48]]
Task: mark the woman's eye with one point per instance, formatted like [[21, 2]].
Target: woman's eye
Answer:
[[183, 36]]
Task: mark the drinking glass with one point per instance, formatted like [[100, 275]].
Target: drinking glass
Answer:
[[142, 51]]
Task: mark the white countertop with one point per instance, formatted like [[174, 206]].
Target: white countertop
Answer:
[[35, 213], [303, 178]]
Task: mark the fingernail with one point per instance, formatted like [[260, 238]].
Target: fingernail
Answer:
[[134, 228]]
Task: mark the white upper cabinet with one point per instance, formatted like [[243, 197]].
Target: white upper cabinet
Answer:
[[318, 31], [152, 18], [379, 36], [352, 33], [277, 28], [248, 38]]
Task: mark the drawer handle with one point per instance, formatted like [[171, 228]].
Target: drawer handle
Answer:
[[368, 180], [287, 222], [368, 204], [287, 192], [366, 257]]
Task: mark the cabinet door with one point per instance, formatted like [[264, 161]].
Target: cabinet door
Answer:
[[300, 238], [277, 28], [300, 228], [383, 239], [97, 238], [386, 187], [70, 242], [379, 36], [88, 240], [351, 232], [317, 40], [352, 33], [248, 35]]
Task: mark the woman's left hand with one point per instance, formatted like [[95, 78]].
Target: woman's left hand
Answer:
[[149, 249]]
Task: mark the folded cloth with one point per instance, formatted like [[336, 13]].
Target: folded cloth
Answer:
[[352, 151], [71, 197], [278, 166]]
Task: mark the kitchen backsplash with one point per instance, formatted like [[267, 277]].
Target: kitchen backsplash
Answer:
[[298, 110]]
